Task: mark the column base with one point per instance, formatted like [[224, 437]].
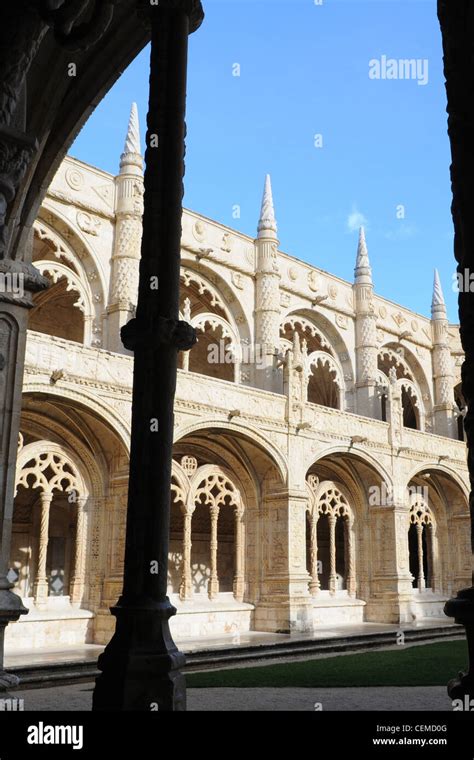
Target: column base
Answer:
[[290, 615], [461, 608], [387, 610], [391, 600], [141, 664]]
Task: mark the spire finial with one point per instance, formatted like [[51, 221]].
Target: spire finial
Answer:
[[132, 141], [438, 306], [362, 271], [131, 159], [267, 226]]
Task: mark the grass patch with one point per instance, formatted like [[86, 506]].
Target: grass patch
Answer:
[[424, 665]]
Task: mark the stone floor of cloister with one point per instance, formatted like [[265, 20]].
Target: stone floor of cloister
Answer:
[[231, 642]]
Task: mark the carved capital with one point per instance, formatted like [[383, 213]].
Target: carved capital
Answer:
[[66, 18], [16, 151], [165, 332], [193, 8], [18, 280]]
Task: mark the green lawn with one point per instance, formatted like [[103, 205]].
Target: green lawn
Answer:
[[426, 665]]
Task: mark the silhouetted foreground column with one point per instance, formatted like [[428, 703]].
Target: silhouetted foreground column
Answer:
[[18, 281], [140, 666], [457, 26]]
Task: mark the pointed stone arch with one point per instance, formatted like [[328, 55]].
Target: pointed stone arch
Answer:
[[329, 499], [330, 340], [70, 265], [325, 380]]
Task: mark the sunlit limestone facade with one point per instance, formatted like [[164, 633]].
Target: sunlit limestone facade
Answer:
[[319, 473]]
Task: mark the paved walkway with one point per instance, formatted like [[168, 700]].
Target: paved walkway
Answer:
[[232, 641], [78, 697]]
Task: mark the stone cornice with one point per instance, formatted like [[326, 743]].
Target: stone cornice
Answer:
[[68, 199]]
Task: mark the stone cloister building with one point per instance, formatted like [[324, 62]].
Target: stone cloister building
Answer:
[[319, 473]]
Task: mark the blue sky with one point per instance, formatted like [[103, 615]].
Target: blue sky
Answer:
[[304, 71]]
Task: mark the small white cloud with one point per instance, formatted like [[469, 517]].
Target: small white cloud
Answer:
[[355, 220]]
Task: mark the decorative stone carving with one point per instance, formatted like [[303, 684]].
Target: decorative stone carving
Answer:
[[199, 231], [88, 223], [16, 152], [399, 318], [226, 244], [313, 281], [342, 321], [238, 280], [189, 465], [106, 192], [75, 179]]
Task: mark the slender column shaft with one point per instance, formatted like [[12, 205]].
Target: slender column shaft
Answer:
[[457, 28], [152, 416], [213, 588], [78, 579], [239, 570], [332, 553], [351, 579], [421, 573], [41, 582], [186, 587], [314, 584], [141, 665], [432, 555]]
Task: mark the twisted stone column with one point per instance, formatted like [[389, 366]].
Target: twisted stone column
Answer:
[[350, 575], [315, 584], [213, 587], [40, 589], [186, 586]]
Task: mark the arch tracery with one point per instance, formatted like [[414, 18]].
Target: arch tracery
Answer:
[[329, 500]]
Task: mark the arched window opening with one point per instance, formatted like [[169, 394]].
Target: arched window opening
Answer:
[[199, 297], [388, 359], [201, 549], [323, 387], [324, 551], [175, 553], [315, 341], [421, 545], [206, 548], [213, 353], [50, 527], [58, 312], [330, 539], [410, 412], [226, 553]]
